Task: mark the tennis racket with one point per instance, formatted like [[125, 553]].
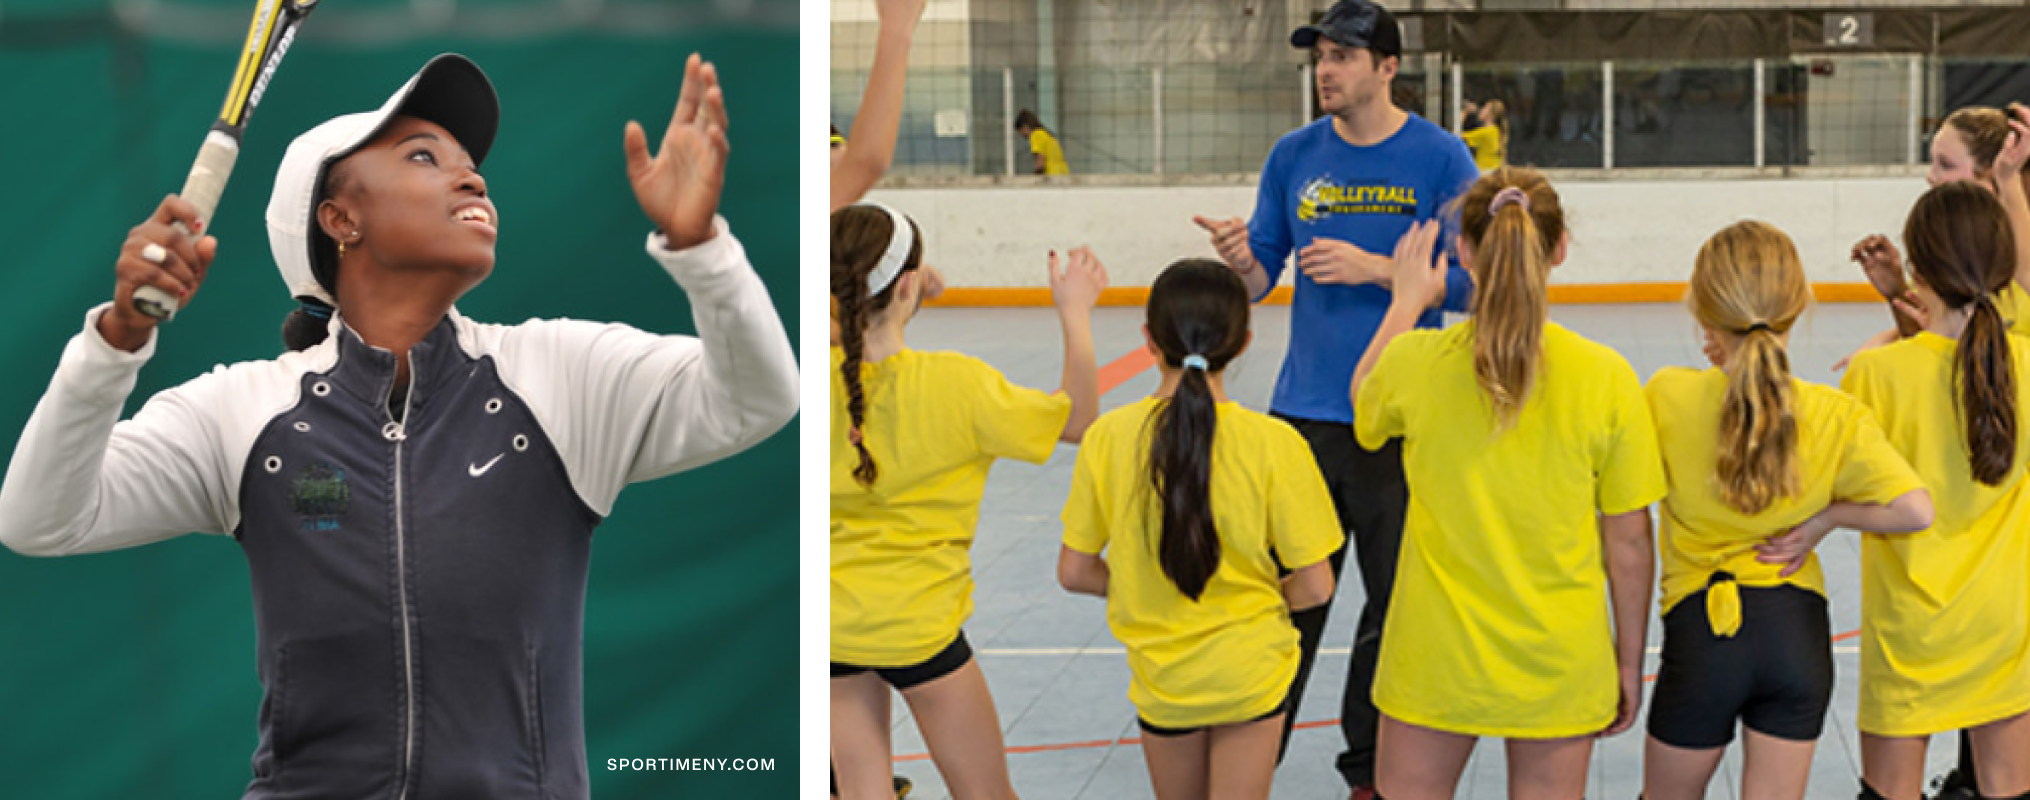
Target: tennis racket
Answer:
[[268, 37]]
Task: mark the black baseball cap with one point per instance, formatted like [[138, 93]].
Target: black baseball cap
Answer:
[[1354, 23]]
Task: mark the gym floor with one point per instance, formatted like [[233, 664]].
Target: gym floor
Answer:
[[1060, 680]]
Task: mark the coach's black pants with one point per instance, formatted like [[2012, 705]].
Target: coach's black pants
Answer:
[[1370, 496]]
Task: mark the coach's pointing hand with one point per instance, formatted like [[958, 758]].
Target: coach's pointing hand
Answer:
[[1230, 240], [156, 254]]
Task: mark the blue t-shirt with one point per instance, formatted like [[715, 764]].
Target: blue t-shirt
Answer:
[[1316, 184]]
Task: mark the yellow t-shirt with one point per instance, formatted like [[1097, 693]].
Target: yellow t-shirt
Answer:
[[1499, 625], [1841, 455], [1485, 142], [1945, 612], [1229, 656], [1040, 141], [902, 579]]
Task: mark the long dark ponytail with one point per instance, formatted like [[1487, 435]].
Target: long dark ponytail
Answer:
[[1962, 248], [860, 237], [1197, 309]]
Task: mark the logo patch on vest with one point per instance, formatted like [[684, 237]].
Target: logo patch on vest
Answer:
[[320, 495]]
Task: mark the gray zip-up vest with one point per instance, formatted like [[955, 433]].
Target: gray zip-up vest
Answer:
[[419, 586]]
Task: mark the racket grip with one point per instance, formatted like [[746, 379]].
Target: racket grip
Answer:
[[202, 189]]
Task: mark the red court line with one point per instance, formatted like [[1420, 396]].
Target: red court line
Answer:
[[1087, 745]]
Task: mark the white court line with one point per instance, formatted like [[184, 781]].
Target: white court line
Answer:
[[1034, 652]]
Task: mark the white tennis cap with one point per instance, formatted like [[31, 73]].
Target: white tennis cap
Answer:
[[450, 91]]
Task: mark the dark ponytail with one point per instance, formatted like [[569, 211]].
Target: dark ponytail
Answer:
[[860, 236], [307, 326], [1197, 309], [1961, 247], [1988, 392]]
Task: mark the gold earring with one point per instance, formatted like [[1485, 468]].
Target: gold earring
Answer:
[[341, 250]]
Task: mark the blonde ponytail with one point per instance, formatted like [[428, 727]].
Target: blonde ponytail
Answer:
[[1749, 283], [1514, 222]]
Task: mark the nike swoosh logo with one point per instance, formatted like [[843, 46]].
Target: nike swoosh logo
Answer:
[[476, 470]]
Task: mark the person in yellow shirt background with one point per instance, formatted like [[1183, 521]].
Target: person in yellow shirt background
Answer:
[[1488, 136], [1945, 622], [1981, 144], [913, 437], [1048, 155], [1531, 463], [1196, 502], [1761, 467]]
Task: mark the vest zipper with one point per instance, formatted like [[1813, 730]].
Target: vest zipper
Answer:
[[396, 431]]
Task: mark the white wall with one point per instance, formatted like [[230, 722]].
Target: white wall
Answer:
[[1623, 231]]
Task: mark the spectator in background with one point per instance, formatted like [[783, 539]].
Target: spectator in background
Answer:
[[1042, 145], [1486, 134]]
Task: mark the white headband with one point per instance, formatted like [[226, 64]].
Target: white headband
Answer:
[[892, 261]]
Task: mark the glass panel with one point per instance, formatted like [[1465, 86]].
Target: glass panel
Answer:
[[1553, 111], [1783, 114], [1856, 109], [1219, 119], [1684, 115], [1109, 120]]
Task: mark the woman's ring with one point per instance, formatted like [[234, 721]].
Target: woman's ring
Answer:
[[154, 253]]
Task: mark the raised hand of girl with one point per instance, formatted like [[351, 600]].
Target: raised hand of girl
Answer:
[[1419, 274]]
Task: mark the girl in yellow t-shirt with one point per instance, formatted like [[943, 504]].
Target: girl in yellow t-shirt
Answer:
[[1047, 154], [1761, 467], [1489, 140], [1531, 463], [913, 436], [1196, 503], [1988, 146], [1945, 613]]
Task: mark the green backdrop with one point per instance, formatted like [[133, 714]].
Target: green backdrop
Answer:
[[131, 674]]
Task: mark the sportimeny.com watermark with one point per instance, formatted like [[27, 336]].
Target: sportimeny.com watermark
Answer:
[[690, 764]]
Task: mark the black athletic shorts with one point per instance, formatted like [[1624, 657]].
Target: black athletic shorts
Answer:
[[1158, 730], [946, 662], [1775, 675]]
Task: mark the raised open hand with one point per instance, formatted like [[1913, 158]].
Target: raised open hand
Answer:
[[678, 187]]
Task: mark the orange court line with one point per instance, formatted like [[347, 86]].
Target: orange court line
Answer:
[[1127, 366], [1087, 745], [1118, 371], [1574, 294]]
